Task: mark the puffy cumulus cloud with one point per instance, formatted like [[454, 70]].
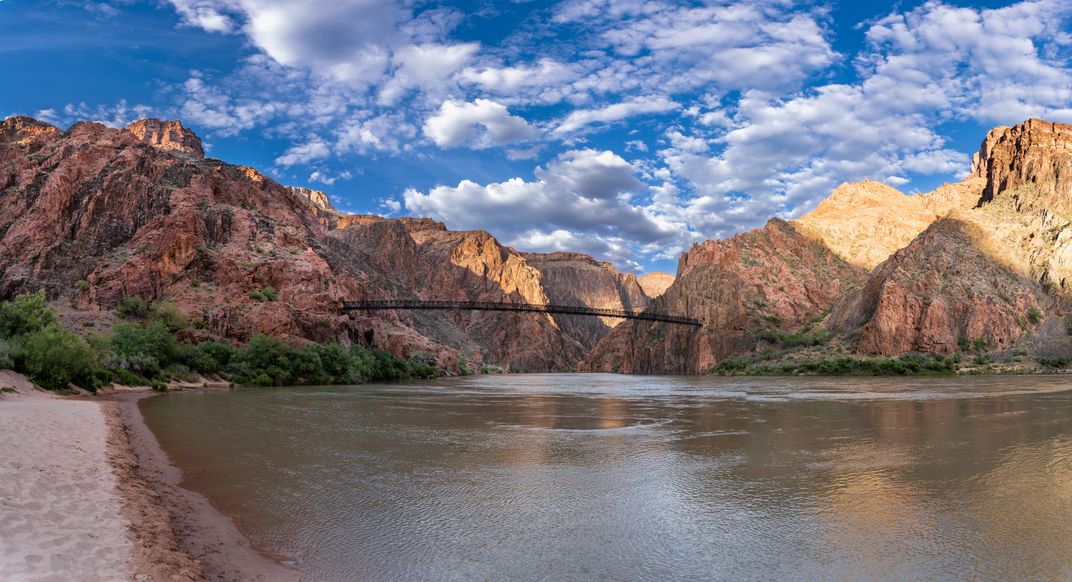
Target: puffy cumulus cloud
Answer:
[[212, 108], [481, 124], [582, 118], [382, 133], [303, 154], [507, 80], [428, 67], [1000, 65], [670, 47], [350, 40], [588, 194]]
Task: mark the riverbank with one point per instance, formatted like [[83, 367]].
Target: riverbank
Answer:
[[86, 493], [210, 537]]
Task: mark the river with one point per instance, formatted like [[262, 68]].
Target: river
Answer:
[[580, 477]]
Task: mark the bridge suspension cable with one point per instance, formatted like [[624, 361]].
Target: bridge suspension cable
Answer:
[[412, 304]]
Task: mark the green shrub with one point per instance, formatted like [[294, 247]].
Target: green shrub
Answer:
[[81, 285], [1059, 362], [464, 370], [24, 315], [1034, 315], [131, 307], [158, 385], [55, 358], [152, 341], [128, 378], [168, 314]]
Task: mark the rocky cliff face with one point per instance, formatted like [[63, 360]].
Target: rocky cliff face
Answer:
[[766, 281], [865, 222], [576, 279], [167, 135], [995, 274], [655, 284], [137, 212], [315, 197], [941, 294], [1032, 160]]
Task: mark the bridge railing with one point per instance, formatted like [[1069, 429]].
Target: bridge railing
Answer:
[[518, 307]]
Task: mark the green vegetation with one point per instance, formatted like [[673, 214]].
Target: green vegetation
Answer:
[[266, 294], [144, 351], [906, 365], [1055, 362], [1034, 315], [464, 369], [81, 286]]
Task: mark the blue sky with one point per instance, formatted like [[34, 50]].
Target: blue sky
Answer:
[[626, 129]]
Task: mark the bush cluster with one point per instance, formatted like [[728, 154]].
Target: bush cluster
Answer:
[[143, 351], [906, 365]]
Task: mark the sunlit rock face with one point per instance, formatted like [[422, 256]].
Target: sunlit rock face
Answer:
[[167, 135], [655, 284], [315, 197]]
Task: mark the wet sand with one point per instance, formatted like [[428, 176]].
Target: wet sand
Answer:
[[87, 494], [199, 530]]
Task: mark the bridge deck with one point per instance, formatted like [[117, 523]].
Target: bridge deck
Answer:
[[523, 307]]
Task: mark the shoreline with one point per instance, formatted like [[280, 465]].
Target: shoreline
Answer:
[[175, 526]]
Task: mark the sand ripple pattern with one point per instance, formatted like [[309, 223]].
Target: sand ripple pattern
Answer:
[[59, 513]]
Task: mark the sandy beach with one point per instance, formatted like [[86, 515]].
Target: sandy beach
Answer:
[[87, 494]]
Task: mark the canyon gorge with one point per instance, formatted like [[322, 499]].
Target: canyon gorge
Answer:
[[94, 214]]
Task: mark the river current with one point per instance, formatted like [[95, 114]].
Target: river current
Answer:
[[582, 477]]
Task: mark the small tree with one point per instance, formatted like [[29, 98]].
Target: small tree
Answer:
[[24, 315]]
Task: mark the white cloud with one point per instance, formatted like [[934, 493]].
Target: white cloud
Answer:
[[587, 193], [203, 14], [119, 115], [329, 179], [511, 79], [457, 123], [303, 154], [426, 66], [639, 106]]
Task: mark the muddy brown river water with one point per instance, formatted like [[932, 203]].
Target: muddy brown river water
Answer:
[[581, 477]]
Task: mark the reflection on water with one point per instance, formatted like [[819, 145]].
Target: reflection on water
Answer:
[[617, 477]]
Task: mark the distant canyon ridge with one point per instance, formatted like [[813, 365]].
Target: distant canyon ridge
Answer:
[[95, 214]]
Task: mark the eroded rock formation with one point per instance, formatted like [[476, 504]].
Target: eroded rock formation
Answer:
[[769, 279], [576, 279]]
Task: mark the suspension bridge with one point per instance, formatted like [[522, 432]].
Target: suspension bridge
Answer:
[[412, 304]]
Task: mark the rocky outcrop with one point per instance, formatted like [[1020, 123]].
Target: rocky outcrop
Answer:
[[315, 197], [865, 222], [23, 130], [941, 294], [167, 135], [576, 279], [1032, 160], [772, 279], [135, 215], [655, 284]]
